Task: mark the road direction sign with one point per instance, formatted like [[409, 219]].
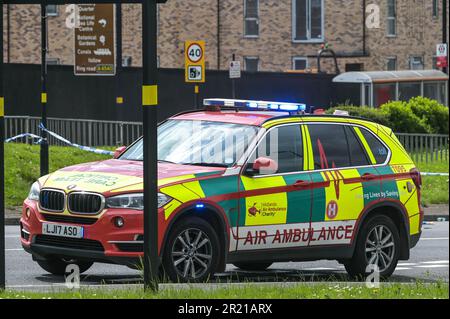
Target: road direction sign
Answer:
[[235, 69], [194, 61], [95, 40]]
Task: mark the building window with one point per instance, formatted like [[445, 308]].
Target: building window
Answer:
[[435, 9], [251, 18], [52, 10], [307, 20], [354, 67], [251, 63], [416, 63], [391, 18], [126, 61], [53, 61], [391, 64], [300, 63]]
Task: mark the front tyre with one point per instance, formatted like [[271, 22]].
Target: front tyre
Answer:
[[378, 244], [57, 266], [193, 251]]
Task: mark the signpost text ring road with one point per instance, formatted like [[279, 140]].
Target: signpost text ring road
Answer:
[[195, 61], [95, 40]]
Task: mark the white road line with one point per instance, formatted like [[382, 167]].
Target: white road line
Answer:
[[402, 268], [319, 268], [435, 262], [432, 266], [12, 236], [407, 264], [14, 249], [435, 238]]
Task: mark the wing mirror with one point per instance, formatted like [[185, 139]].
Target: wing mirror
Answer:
[[119, 151], [263, 166]]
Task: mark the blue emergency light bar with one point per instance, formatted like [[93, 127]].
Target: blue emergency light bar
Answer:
[[261, 105]]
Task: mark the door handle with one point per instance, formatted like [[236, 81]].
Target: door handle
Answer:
[[368, 177], [301, 183]]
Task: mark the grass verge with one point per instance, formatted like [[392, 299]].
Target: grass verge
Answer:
[[439, 290], [22, 167], [434, 188]]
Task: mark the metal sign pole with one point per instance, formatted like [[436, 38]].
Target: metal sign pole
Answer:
[[44, 144], [150, 102], [2, 163]]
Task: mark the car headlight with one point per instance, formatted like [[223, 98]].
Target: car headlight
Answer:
[[35, 190], [134, 201]]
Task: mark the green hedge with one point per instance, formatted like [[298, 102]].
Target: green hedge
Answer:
[[418, 115]]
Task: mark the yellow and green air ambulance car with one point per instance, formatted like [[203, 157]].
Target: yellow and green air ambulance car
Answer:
[[247, 183]]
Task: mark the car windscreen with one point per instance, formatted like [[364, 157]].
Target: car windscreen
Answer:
[[204, 143]]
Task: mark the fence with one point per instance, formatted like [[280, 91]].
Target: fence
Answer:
[[425, 147], [422, 147], [84, 132]]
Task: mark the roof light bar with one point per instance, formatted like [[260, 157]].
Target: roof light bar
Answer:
[[262, 105]]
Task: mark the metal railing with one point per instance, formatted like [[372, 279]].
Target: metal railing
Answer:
[[84, 132], [425, 147], [422, 147]]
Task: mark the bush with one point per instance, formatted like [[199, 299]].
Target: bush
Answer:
[[418, 115], [403, 118], [434, 115]]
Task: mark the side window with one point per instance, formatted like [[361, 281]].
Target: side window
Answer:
[[329, 144], [356, 151], [379, 151], [283, 145]]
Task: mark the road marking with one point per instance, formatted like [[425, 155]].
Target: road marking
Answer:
[[402, 268], [12, 236], [319, 268], [436, 262], [435, 238], [432, 266], [407, 264], [14, 249]]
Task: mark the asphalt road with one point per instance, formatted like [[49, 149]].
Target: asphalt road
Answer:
[[428, 262]]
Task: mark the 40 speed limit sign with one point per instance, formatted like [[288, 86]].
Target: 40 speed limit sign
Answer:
[[194, 61]]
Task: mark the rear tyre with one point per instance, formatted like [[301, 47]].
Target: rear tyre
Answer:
[[57, 266], [378, 244], [249, 266], [193, 251]]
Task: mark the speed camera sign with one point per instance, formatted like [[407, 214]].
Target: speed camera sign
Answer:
[[195, 61]]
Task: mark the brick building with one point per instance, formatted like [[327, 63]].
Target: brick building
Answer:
[[266, 35]]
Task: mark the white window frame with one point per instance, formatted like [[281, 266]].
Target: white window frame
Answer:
[[52, 13], [294, 24], [392, 58], [300, 58], [53, 61], [412, 57], [252, 57], [394, 18], [257, 19]]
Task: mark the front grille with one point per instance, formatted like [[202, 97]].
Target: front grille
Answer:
[[69, 219], [128, 247], [74, 243], [85, 203], [52, 200]]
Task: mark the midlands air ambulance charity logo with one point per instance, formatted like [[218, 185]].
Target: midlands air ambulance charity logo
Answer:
[[252, 211]]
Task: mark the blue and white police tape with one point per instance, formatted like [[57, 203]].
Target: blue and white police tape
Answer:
[[433, 174], [81, 147], [33, 136]]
